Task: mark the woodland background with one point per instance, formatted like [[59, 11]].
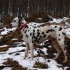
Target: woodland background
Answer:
[[56, 8]]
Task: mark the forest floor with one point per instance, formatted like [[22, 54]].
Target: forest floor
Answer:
[[12, 49]]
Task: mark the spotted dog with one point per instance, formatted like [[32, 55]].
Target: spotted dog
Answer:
[[33, 33]]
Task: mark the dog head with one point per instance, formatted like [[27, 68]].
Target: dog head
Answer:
[[15, 22]]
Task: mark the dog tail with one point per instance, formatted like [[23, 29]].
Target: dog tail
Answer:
[[66, 34]]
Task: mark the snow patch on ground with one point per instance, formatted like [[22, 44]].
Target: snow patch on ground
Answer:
[[7, 68], [3, 46], [7, 30], [56, 20], [52, 64]]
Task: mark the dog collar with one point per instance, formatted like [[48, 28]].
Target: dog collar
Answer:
[[23, 26]]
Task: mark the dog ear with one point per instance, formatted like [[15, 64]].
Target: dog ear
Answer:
[[19, 20], [18, 16]]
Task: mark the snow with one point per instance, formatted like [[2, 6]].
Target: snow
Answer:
[[15, 49], [65, 18], [56, 20], [7, 68], [4, 46], [14, 39], [27, 62], [49, 46], [45, 51], [7, 30], [67, 32]]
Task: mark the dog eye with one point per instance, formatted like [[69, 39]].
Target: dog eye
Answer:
[[14, 20]]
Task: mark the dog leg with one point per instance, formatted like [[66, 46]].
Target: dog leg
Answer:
[[31, 45], [58, 52], [26, 52], [62, 46], [56, 46], [65, 53]]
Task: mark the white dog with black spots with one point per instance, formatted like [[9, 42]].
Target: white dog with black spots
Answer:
[[33, 33]]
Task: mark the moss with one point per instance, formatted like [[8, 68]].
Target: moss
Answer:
[[40, 65]]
